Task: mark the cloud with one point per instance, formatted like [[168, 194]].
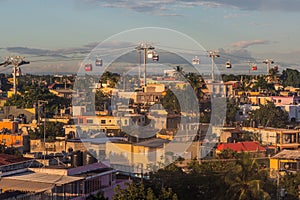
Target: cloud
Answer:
[[235, 56], [166, 6], [248, 43], [69, 52], [48, 52]]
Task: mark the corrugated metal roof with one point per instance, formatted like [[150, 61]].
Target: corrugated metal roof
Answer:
[[24, 186], [288, 154], [35, 182], [45, 178]]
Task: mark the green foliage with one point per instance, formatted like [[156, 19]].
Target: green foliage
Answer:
[[230, 77], [170, 102], [290, 182], [232, 108], [228, 154], [239, 178], [30, 97], [111, 78], [262, 84], [98, 196], [137, 191], [270, 115], [290, 77], [9, 150], [53, 130], [245, 182], [101, 100]]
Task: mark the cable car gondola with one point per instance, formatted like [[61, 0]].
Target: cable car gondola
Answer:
[[228, 64], [254, 67], [155, 57], [98, 62], [275, 68], [18, 72], [88, 67], [196, 60], [150, 54]]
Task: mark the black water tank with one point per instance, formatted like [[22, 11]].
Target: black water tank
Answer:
[[77, 159]]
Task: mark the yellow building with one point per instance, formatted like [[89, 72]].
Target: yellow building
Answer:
[[286, 160], [144, 155]]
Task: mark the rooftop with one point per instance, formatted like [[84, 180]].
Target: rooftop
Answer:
[[6, 159], [153, 143], [288, 154], [242, 147]]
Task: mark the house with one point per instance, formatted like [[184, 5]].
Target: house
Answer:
[[284, 161], [7, 126], [135, 157], [285, 100], [279, 138], [60, 183], [293, 111], [239, 147]]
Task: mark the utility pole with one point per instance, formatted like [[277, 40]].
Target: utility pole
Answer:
[[145, 47], [249, 66], [41, 102], [268, 62], [140, 63], [16, 61], [213, 55]]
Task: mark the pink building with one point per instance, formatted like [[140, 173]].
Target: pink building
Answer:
[[283, 100]]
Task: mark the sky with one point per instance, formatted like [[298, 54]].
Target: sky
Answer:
[[50, 33]]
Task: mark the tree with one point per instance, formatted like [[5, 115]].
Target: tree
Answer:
[[290, 182], [262, 84], [137, 191], [232, 108], [290, 77], [270, 115], [53, 130], [245, 183], [98, 196]]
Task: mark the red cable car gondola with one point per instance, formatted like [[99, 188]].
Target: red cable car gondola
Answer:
[[254, 67], [88, 67], [155, 57]]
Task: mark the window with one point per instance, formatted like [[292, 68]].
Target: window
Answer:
[[89, 121], [80, 121], [279, 100], [103, 121], [17, 142]]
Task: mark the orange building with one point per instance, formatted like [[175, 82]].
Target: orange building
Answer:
[[12, 127], [11, 140]]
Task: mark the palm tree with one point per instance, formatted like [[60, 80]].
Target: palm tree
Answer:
[[245, 183]]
